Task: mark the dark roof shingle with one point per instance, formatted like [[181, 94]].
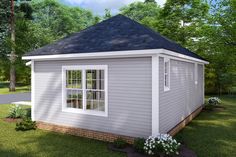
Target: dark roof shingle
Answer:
[[118, 33]]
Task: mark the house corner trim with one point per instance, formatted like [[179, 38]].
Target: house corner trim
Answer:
[[155, 95], [32, 91]]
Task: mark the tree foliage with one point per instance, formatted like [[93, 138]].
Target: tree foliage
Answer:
[[38, 23], [207, 27], [146, 13]]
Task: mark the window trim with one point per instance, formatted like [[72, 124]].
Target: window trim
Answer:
[[166, 60], [83, 68], [196, 73]]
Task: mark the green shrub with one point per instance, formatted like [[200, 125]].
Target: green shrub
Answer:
[[214, 101], [28, 113], [139, 145], [16, 112], [120, 143], [26, 124]]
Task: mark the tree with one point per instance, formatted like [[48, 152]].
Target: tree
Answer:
[[60, 19], [37, 24], [145, 13], [150, 1], [4, 32], [107, 14], [222, 46], [181, 20]]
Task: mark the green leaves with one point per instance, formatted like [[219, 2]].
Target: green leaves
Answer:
[[37, 23]]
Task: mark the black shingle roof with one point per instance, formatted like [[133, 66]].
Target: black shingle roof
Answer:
[[118, 33]]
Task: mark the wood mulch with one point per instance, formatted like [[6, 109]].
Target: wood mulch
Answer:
[[12, 120], [130, 151]]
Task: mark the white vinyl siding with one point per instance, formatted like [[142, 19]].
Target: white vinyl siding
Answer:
[[184, 97], [129, 96]]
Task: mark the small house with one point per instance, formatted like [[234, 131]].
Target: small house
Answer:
[[117, 78]]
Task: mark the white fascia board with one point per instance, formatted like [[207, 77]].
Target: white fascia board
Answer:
[[111, 54], [115, 54], [28, 63], [175, 55]]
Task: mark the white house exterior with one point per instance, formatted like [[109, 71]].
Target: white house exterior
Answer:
[[130, 91]]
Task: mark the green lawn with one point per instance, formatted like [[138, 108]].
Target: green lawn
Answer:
[[20, 88], [213, 134], [38, 143]]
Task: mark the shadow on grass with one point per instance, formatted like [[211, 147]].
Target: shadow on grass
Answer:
[[212, 134], [55, 144]]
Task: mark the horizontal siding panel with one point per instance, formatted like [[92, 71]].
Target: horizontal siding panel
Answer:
[[129, 94], [184, 96]]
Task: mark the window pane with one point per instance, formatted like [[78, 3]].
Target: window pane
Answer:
[[166, 66], [95, 79], [166, 73], [74, 98], [166, 80], [95, 100], [74, 79]]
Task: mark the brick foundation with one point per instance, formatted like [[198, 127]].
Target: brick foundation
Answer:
[[108, 137], [183, 123]]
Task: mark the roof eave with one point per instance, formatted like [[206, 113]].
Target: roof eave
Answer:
[[114, 54]]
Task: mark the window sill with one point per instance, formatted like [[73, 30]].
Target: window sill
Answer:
[[86, 112], [166, 89]]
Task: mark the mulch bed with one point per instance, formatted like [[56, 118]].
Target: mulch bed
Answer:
[[12, 120], [130, 151]]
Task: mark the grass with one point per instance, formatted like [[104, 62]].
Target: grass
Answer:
[[20, 88], [212, 134], [39, 143]]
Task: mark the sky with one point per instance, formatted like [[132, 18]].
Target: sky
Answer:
[[98, 6]]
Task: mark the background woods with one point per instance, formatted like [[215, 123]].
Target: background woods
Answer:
[[208, 28]]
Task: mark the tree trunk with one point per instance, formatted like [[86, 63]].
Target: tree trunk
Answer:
[[12, 86]]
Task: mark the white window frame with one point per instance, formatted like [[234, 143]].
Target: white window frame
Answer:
[[83, 68], [196, 73], [166, 60]]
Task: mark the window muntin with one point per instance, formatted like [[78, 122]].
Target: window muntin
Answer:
[[74, 90], [74, 98], [95, 79], [85, 89], [166, 74], [95, 94], [95, 100]]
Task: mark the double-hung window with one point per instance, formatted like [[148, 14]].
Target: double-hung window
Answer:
[[85, 89], [166, 74]]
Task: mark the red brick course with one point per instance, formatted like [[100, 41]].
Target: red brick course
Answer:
[[108, 137]]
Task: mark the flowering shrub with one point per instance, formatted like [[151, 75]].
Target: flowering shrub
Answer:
[[161, 144], [214, 101]]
